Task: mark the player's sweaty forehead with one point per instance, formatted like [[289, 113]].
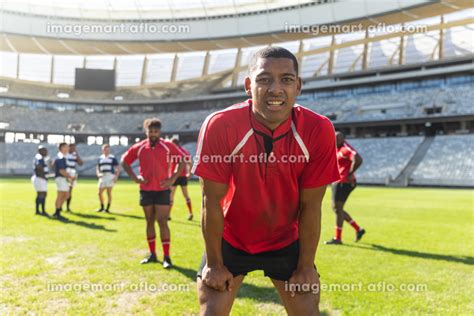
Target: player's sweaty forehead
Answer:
[[277, 67], [153, 130]]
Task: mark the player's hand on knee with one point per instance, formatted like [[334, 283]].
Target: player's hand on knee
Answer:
[[304, 280], [218, 278]]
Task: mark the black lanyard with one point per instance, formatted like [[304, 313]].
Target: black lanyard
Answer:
[[268, 140]]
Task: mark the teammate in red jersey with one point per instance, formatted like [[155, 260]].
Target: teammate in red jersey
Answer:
[[264, 165], [182, 180], [349, 161], [155, 156]]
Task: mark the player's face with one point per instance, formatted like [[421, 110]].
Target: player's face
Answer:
[[43, 152], [106, 151], [153, 134], [273, 85], [72, 149], [65, 149]]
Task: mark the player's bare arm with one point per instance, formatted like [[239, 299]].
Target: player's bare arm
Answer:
[[117, 172], [128, 169], [309, 227], [356, 163], [66, 175], [40, 171], [80, 162], [215, 274], [168, 182]]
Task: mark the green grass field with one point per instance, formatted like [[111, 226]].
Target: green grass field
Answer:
[[416, 258]]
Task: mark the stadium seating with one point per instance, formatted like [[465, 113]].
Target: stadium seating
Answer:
[[384, 158], [18, 158], [449, 161], [107, 123], [453, 99]]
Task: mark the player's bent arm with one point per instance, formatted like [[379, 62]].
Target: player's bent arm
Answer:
[[356, 162], [189, 166], [128, 169], [213, 219], [215, 274], [309, 225], [117, 172], [97, 171], [180, 168], [40, 172], [64, 173], [80, 162]]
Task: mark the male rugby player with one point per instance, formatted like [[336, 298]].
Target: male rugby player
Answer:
[[40, 180], [72, 160], [349, 161], [155, 156], [182, 180], [108, 171], [264, 214], [62, 178]]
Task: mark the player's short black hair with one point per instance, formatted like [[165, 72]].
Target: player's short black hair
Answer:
[[61, 145], [272, 52], [153, 122]]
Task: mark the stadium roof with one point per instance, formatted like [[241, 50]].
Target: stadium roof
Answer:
[[145, 26], [143, 9]]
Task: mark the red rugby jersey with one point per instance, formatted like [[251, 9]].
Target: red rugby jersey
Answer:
[[261, 205], [345, 155], [187, 157], [155, 162]]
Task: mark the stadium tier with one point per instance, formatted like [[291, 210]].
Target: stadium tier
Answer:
[[384, 158], [18, 158], [448, 162], [431, 98]]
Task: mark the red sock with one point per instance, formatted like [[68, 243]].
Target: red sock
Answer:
[[151, 244], [354, 224], [166, 247], [190, 208], [338, 233]]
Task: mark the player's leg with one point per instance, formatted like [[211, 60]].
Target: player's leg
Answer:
[[214, 302], [101, 198], [162, 213], [149, 212], [41, 187], [61, 197], [359, 230], [109, 198], [337, 207], [41, 202], [172, 193], [68, 200], [37, 203], [300, 303], [184, 189]]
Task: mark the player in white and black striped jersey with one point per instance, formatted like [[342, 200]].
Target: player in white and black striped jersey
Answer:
[[108, 171], [39, 178], [72, 161]]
